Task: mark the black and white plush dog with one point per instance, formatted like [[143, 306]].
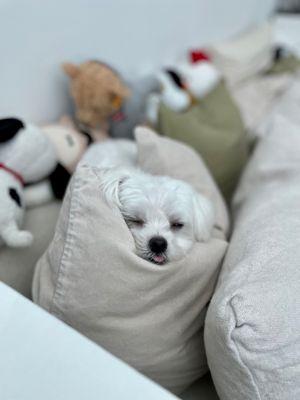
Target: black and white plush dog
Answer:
[[12, 209], [26, 156]]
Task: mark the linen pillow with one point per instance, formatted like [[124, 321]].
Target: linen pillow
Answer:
[[90, 277], [253, 322], [214, 128], [246, 55]]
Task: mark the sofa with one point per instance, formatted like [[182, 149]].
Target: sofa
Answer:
[[253, 349]]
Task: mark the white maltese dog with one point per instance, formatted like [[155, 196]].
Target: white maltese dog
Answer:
[[166, 216]]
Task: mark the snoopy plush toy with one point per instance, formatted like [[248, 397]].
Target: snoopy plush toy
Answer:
[[27, 156], [36, 164]]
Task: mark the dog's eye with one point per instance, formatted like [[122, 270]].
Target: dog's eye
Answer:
[[138, 222], [177, 225], [135, 221]]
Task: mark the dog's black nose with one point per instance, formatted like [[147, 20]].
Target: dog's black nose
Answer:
[[158, 244]]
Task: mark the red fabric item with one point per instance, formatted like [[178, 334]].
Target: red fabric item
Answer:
[[198, 55], [12, 172]]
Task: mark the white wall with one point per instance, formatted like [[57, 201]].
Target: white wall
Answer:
[[133, 35]]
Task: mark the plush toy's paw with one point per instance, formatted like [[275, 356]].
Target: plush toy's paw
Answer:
[[13, 237], [21, 239]]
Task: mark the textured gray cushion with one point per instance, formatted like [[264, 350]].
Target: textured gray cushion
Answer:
[[252, 332], [17, 265], [90, 277]]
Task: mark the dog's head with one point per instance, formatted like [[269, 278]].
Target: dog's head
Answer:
[[165, 216]]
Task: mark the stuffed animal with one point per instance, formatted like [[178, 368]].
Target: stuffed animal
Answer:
[[199, 74], [70, 144], [184, 85], [12, 209], [36, 164], [30, 172], [98, 93], [26, 155], [172, 93]]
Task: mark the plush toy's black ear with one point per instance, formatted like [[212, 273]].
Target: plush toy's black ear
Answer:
[[9, 127]]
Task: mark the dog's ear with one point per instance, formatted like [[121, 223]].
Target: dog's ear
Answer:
[[9, 127], [204, 217], [111, 181]]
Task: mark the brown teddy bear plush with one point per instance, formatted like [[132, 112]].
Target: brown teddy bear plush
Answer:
[[98, 93]]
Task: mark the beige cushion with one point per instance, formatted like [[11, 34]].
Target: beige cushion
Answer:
[[253, 323], [214, 128], [17, 265], [245, 55], [257, 96], [90, 277]]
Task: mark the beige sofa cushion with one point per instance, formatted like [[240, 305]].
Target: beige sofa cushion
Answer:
[[246, 55], [253, 322], [150, 316], [214, 128]]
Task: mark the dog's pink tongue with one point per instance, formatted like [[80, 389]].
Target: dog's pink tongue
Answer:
[[159, 259]]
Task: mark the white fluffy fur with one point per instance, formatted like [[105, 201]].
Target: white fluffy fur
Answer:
[[32, 155], [11, 214], [151, 205]]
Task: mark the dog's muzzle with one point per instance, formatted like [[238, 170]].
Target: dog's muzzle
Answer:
[[158, 246]]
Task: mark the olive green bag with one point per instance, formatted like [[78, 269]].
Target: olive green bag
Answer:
[[214, 128]]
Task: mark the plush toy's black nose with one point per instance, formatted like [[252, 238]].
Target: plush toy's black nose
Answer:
[[158, 244]]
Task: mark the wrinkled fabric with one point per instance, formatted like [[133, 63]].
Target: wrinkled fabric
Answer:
[[214, 128], [252, 332], [246, 55], [90, 277]]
